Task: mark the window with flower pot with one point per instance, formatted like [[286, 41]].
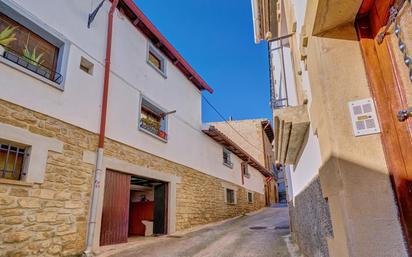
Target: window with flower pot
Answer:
[[153, 119], [27, 49]]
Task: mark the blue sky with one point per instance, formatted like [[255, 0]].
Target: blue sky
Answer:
[[216, 38]]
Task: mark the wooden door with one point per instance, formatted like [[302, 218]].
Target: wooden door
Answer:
[[115, 216], [389, 95], [160, 210]]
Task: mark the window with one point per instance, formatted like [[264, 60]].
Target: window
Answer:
[[249, 197], [227, 158], [86, 66], [156, 60], [245, 169], [230, 196], [153, 119], [29, 50], [11, 160]]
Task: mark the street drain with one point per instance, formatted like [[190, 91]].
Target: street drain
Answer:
[[282, 227], [257, 228]]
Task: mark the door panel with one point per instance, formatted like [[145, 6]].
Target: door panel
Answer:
[[160, 209], [115, 216], [389, 96]]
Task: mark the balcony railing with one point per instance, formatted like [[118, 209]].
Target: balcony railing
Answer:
[[32, 66], [152, 128]]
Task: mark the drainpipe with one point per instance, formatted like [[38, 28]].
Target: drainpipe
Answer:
[[102, 135]]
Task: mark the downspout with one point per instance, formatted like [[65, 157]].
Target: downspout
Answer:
[[102, 135]]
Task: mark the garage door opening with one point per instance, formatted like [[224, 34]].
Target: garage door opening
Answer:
[[132, 207], [148, 207]]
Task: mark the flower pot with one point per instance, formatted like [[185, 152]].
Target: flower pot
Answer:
[[162, 134]]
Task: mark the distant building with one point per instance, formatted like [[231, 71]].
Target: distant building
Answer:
[[256, 137], [340, 92]]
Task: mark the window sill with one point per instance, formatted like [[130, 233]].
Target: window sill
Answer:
[[30, 73], [153, 135], [230, 203], [15, 182]]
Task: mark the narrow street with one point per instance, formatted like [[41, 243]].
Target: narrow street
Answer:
[[261, 235]]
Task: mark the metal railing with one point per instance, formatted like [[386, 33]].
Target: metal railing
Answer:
[[152, 129], [32, 66]]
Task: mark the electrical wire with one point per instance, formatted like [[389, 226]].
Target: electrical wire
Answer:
[[230, 125]]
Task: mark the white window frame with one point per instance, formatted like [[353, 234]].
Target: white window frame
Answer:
[[163, 62], [166, 119], [247, 197], [25, 18], [37, 150], [229, 153]]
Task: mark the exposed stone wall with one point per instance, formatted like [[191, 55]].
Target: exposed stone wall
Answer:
[[47, 219], [310, 221], [50, 219]]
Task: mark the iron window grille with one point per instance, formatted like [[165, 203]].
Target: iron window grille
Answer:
[[32, 66], [230, 196], [227, 158], [11, 161]]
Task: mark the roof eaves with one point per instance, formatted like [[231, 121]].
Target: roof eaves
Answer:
[[222, 139], [146, 27]]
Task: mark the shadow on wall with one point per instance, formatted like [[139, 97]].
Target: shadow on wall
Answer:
[[347, 202]]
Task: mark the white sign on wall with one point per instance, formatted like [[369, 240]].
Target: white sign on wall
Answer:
[[364, 118]]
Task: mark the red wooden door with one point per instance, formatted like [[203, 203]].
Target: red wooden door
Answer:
[[115, 216], [389, 95]]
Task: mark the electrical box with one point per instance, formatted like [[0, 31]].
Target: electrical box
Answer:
[[364, 118]]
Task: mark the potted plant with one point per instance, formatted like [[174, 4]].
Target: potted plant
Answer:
[[6, 37], [33, 60], [162, 134], [151, 125]]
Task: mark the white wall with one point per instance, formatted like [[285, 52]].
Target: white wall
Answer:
[[80, 102]]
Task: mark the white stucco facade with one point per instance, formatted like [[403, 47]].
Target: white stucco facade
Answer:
[[306, 169], [79, 103]]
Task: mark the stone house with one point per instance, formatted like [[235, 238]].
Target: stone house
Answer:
[[341, 97], [101, 134], [256, 137]]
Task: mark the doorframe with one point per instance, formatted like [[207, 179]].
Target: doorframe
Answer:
[[110, 163]]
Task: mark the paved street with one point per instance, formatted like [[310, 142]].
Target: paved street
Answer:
[[259, 235]]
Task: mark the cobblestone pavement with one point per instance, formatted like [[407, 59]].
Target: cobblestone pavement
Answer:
[[260, 235]]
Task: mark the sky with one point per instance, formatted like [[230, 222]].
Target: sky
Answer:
[[216, 38]]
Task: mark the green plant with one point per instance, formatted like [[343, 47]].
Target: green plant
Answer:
[[7, 36], [32, 57], [151, 122]]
